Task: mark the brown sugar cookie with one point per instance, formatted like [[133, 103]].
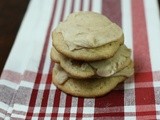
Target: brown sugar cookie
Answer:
[[103, 68], [87, 36], [93, 87], [75, 68]]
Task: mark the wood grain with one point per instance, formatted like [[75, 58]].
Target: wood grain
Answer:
[[11, 15]]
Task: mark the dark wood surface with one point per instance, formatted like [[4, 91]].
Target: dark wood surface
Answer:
[[11, 15]]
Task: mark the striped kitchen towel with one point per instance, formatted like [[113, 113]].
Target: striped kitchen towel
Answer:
[[26, 90]]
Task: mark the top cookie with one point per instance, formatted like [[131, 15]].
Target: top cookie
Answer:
[[87, 36]]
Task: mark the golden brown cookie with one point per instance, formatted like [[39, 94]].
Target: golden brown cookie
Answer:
[[77, 69], [87, 36], [103, 68], [92, 87]]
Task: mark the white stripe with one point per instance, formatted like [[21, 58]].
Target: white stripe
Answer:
[[62, 103], [19, 107], [47, 59], [47, 118], [130, 118], [127, 23], [153, 28], [3, 106], [31, 84], [40, 26], [61, 110], [7, 118], [17, 116], [55, 23], [156, 84], [85, 5], [153, 31], [74, 105], [2, 115], [8, 84], [97, 6], [53, 87], [37, 110], [26, 84], [72, 118], [129, 86], [158, 117], [40, 39], [49, 109], [158, 107], [10, 109], [89, 106], [90, 118], [88, 110], [76, 5], [130, 108], [60, 118], [34, 118], [73, 110]]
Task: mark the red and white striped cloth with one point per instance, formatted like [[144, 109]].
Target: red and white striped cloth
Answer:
[[26, 91]]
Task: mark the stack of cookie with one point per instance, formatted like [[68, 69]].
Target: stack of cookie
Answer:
[[89, 54]]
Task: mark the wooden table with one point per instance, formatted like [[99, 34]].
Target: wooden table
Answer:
[[11, 15]]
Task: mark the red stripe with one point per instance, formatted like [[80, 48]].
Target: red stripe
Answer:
[[116, 114], [140, 38], [12, 76], [147, 117], [72, 7], [141, 53], [46, 91], [41, 65], [63, 8], [90, 5], [111, 9], [143, 77], [80, 105], [56, 103], [81, 5], [2, 111], [68, 106], [145, 113]]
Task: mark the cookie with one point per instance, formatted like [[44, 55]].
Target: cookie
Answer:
[[93, 87], [87, 36], [103, 68], [55, 56], [76, 69]]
